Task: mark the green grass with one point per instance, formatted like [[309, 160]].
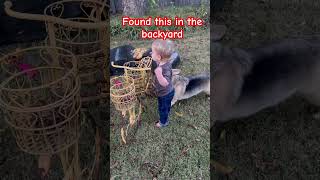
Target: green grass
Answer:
[[281, 142], [179, 151]]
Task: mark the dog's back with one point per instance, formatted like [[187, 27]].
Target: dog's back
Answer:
[[249, 80], [186, 87]]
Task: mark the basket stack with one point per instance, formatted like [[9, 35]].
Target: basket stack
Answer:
[[124, 90], [89, 43], [40, 98]]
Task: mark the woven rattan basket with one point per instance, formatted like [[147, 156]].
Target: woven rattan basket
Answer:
[[84, 33], [122, 93], [41, 104], [140, 72]]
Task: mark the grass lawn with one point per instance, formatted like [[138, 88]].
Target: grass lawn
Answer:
[[179, 151]]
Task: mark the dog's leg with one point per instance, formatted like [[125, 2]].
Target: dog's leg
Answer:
[[178, 93], [174, 100], [207, 90]]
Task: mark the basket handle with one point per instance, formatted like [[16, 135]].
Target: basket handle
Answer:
[[130, 68], [117, 66], [52, 19]]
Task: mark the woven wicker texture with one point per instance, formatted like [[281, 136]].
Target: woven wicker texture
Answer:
[[42, 101], [89, 44], [122, 93], [140, 72]]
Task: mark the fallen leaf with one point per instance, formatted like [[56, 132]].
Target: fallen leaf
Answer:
[[221, 168], [192, 126], [184, 151], [179, 114], [123, 136]]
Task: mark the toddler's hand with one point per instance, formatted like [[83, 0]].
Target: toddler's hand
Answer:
[[158, 70], [162, 80]]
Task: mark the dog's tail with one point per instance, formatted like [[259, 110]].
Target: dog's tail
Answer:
[[203, 76]]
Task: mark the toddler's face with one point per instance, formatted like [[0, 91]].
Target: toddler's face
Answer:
[[155, 55]]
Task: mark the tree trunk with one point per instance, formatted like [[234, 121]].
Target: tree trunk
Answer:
[[134, 7]]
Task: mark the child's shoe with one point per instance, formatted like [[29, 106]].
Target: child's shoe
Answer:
[[159, 125]]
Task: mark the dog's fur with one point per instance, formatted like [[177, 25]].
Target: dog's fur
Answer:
[[246, 81], [188, 86]]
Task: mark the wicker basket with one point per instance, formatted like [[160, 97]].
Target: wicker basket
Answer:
[[122, 93], [125, 90], [140, 72], [41, 104], [90, 45], [85, 34]]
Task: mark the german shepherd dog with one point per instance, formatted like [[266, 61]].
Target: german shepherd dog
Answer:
[[188, 86], [246, 81]]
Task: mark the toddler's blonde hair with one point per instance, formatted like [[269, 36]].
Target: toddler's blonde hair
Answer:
[[164, 48]]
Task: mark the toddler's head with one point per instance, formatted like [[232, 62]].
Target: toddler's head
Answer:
[[162, 50]]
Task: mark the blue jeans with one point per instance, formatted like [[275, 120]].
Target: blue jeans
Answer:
[[164, 105]]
